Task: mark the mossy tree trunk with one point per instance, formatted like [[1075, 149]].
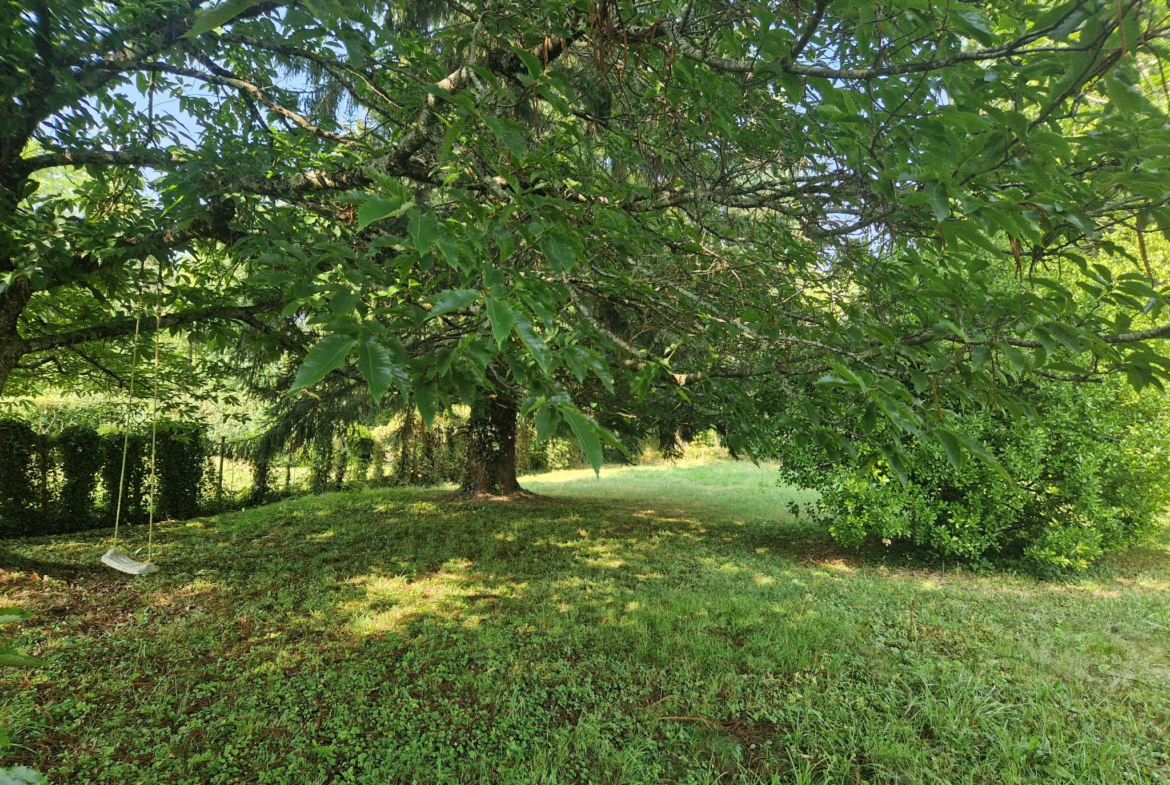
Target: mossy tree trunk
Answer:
[[491, 448]]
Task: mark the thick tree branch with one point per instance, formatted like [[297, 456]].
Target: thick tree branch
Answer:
[[148, 157], [126, 327]]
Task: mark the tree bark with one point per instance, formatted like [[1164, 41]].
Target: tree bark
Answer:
[[12, 346], [491, 448]]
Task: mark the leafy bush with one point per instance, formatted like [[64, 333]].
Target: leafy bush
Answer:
[[363, 454], [561, 453], [134, 486], [82, 458], [18, 447], [179, 458], [1089, 475]]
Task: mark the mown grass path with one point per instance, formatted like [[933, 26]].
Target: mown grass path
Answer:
[[661, 625]]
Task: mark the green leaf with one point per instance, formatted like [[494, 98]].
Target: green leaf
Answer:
[[1067, 337], [506, 134], [547, 419], [1045, 339], [452, 300], [595, 364], [218, 16], [502, 317], [21, 775], [1015, 357], [534, 341], [938, 200], [869, 418], [377, 367], [975, 23], [449, 247], [11, 615], [559, 252], [983, 454], [953, 448], [426, 398], [424, 231], [378, 209], [894, 461], [343, 302], [327, 355], [1126, 96], [574, 363], [585, 429], [11, 660]]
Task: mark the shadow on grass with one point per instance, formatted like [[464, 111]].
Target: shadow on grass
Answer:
[[540, 622]]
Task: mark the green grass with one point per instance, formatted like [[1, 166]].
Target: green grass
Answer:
[[662, 625]]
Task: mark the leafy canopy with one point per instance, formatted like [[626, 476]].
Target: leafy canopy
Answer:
[[604, 209]]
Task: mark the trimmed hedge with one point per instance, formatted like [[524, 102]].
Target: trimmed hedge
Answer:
[[18, 448], [69, 482], [81, 458], [179, 452], [134, 487]]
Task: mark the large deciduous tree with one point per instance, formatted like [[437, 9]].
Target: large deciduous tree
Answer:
[[546, 206]]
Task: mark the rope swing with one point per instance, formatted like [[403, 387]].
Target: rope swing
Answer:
[[114, 557]]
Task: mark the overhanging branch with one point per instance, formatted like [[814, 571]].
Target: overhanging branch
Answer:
[[124, 327]]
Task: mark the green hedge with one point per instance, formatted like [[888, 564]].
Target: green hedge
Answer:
[[134, 486], [68, 481], [179, 450], [18, 448], [81, 456]]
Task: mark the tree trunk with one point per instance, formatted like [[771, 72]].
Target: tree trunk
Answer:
[[342, 464], [12, 346], [405, 468], [260, 484], [491, 449]]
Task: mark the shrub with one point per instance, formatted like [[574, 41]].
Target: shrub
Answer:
[[134, 486], [179, 453], [363, 454], [341, 462], [378, 457], [1091, 475], [82, 458], [18, 447], [562, 453]]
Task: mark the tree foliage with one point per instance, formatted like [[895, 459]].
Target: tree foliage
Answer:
[[597, 208]]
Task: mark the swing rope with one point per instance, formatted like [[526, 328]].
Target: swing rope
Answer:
[[114, 558], [129, 409], [154, 418]]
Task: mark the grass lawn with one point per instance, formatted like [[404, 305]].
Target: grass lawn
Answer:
[[666, 624]]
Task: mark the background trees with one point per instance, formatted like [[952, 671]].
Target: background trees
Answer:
[[846, 206]]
